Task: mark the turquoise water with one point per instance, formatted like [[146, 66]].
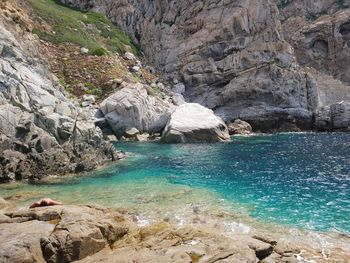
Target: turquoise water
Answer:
[[300, 180]]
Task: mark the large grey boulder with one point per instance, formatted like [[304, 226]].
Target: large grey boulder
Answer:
[[133, 107], [192, 122]]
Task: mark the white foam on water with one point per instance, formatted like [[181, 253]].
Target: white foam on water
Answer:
[[191, 242], [238, 228], [301, 259], [142, 221]]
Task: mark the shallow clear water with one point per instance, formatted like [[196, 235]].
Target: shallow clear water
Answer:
[[299, 180]]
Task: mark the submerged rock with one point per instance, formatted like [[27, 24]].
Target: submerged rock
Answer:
[[192, 122]]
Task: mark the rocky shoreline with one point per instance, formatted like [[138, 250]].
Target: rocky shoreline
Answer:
[[88, 233]]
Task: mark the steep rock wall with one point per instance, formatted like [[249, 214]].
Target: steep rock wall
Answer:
[[41, 131], [230, 55], [320, 33]]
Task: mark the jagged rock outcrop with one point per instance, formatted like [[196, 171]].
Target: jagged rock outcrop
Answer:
[[192, 122], [308, 9], [319, 31], [133, 107], [230, 55], [69, 233], [335, 117], [58, 234], [323, 44], [41, 131]]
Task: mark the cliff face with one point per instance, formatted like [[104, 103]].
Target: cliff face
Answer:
[[235, 57], [41, 131], [320, 34], [319, 31], [230, 55]]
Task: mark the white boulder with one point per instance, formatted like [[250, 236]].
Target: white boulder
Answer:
[[84, 51], [129, 56], [192, 122]]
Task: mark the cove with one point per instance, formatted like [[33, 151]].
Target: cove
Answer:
[[299, 180]]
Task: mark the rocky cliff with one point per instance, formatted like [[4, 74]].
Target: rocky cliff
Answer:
[[237, 58], [319, 33], [41, 132], [277, 64]]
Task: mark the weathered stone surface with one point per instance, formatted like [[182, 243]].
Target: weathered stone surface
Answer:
[[179, 88], [132, 107], [142, 137], [334, 117], [178, 99], [163, 243], [319, 33], [231, 56], [41, 131], [88, 233], [58, 233], [239, 127], [322, 42], [20, 242], [131, 133], [111, 138], [192, 122]]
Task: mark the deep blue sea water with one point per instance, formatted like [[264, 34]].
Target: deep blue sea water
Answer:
[[299, 180]]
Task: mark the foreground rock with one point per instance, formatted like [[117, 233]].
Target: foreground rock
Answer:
[[192, 122], [95, 234], [41, 131], [58, 234], [239, 127], [132, 107]]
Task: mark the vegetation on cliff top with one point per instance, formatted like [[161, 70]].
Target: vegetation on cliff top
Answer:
[[64, 31], [90, 30]]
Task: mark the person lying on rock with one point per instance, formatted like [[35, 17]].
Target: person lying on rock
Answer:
[[45, 202]]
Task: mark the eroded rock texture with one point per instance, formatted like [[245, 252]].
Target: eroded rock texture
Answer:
[[235, 57], [133, 107], [87, 233], [41, 131], [58, 234], [319, 32], [192, 122]]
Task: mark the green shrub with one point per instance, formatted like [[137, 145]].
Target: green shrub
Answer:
[[91, 30], [99, 51]]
